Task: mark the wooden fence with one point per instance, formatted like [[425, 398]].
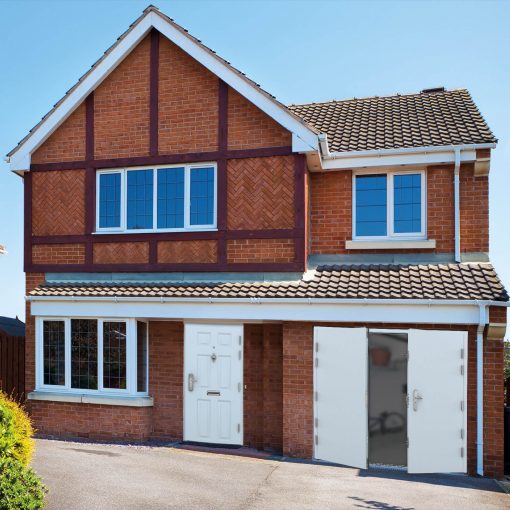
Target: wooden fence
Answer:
[[12, 365]]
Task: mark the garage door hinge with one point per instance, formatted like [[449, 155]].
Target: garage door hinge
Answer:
[[316, 422], [407, 442], [240, 339], [239, 354], [238, 427], [316, 396], [462, 370], [462, 354], [238, 386], [462, 405], [462, 433], [316, 362], [462, 452], [316, 439], [316, 346]]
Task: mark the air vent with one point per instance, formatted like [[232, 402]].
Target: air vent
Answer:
[[432, 90]]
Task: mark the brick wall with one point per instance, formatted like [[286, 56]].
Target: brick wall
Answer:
[[118, 253], [263, 397], [178, 252], [67, 143], [260, 250], [58, 254], [58, 203], [331, 211], [188, 103], [121, 108], [103, 422], [474, 211], [249, 127], [166, 362]]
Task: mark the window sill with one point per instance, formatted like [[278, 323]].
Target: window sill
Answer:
[[390, 244], [155, 231], [91, 399]]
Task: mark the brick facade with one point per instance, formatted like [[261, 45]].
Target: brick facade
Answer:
[[260, 250], [58, 254]]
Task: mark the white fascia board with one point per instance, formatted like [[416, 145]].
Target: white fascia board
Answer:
[[389, 159], [20, 159], [303, 138], [325, 310]]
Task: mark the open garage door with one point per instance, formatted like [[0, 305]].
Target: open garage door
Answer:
[[340, 379], [437, 401]]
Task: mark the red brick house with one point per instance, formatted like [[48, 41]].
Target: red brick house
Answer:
[[207, 264]]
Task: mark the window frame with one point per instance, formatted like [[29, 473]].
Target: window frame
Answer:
[[187, 188], [390, 210], [131, 358]]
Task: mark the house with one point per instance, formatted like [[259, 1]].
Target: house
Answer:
[[207, 264]]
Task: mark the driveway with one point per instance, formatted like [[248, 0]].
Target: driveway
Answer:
[[95, 476]]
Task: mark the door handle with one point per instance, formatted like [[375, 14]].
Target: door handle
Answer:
[[191, 381], [416, 398]]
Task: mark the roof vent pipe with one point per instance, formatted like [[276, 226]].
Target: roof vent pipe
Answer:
[[456, 191]]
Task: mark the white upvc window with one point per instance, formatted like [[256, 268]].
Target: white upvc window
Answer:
[[169, 198], [97, 356], [389, 205]]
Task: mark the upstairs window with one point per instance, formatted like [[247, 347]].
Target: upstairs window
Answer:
[[169, 198], [389, 205]]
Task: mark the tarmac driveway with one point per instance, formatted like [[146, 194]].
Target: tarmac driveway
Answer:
[[96, 476]]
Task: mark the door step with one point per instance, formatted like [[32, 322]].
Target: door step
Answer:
[[240, 451]]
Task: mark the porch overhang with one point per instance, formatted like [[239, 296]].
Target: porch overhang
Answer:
[[399, 311]]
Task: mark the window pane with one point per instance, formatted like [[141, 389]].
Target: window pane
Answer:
[[171, 198], [139, 199], [371, 205], [109, 200], [84, 354], [201, 196], [407, 203], [114, 355], [54, 344], [141, 356]]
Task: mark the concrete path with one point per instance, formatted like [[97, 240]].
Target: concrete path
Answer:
[[94, 476]]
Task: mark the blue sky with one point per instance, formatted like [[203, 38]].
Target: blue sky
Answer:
[[300, 51]]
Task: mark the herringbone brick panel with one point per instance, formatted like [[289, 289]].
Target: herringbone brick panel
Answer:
[[58, 203], [180, 252], [121, 253], [260, 193]]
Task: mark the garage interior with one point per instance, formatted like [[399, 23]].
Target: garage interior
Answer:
[[387, 409]]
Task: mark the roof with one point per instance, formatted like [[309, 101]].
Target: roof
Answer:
[[435, 281], [436, 117], [153, 18], [13, 327]]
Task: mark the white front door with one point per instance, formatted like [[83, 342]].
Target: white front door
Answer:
[[213, 389], [437, 401], [340, 380]]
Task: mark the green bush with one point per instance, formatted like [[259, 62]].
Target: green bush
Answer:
[[15, 431], [20, 487]]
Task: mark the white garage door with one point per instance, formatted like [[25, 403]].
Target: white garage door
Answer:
[[437, 401], [340, 378]]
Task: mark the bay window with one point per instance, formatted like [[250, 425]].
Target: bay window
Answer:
[[92, 356], [389, 205], [166, 198]]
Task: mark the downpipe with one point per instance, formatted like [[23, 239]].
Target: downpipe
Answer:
[[479, 389], [456, 188]]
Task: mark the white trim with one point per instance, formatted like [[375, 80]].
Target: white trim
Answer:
[[390, 158], [391, 235], [55, 396], [304, 138], [188, 167], [423, 244], [316, 310]]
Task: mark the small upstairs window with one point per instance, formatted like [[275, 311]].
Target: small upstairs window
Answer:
[[167, 198], [389, 205]]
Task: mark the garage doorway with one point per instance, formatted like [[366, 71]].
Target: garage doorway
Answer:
[[387, 391]]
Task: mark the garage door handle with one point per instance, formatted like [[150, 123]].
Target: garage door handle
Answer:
[[416, 398]]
